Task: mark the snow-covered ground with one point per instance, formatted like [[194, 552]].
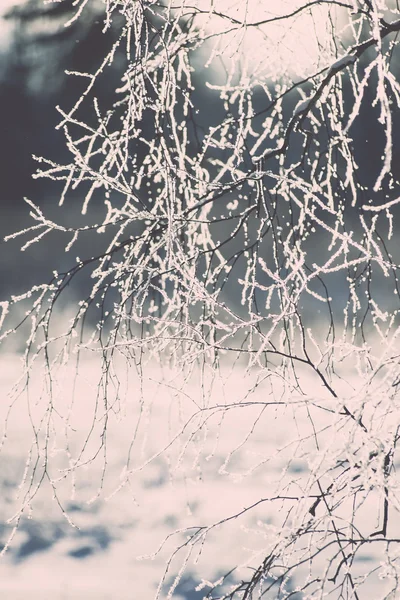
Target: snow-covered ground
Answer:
[[175, 458]]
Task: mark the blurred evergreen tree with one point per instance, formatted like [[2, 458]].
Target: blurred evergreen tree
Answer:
[[33, 81]]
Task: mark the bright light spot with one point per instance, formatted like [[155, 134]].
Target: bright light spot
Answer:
[[271, 39]]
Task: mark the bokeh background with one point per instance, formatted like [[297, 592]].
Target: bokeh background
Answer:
[[49, 559]]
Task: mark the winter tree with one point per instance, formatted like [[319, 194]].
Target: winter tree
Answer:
[[235, 248]]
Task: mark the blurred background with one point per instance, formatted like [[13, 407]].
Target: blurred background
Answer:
[[48, 557], [36, 50]]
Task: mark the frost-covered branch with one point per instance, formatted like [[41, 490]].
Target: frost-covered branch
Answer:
[[234, 222]]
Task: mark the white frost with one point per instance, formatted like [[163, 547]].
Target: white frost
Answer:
[[302, 106]]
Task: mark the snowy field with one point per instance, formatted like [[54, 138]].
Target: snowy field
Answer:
[[175, 458]]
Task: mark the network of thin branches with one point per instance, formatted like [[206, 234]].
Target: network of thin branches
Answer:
[[242, 190]]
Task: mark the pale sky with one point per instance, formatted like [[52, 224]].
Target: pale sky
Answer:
[[297, 45], [291, 43]]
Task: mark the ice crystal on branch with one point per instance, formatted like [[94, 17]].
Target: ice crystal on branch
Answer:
[[242, 224]]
